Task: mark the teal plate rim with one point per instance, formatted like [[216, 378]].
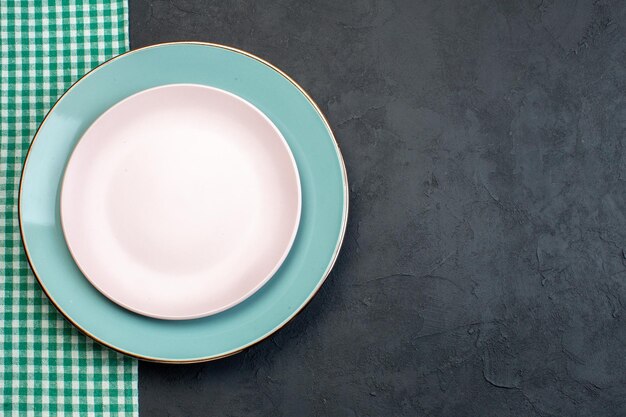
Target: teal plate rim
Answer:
[[296, 311]]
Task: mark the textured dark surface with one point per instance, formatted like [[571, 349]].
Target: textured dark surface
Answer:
[[484, 268]]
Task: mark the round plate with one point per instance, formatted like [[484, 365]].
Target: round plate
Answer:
[[180, 201], [314, 251]]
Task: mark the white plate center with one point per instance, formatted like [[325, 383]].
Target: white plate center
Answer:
[[180, 201]]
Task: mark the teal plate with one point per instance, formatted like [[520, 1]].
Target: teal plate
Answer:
[[322, 225]]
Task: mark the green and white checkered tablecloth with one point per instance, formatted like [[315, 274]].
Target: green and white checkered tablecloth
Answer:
[[46, 366]]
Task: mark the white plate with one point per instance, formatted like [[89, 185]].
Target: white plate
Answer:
[[180, 201]]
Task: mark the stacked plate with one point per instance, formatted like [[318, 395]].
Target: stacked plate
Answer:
[[182, 202]]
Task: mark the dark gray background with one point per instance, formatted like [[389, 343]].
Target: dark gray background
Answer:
[[483, 271]]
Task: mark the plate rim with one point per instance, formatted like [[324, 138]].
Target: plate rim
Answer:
[[260, 283], [297, 311]]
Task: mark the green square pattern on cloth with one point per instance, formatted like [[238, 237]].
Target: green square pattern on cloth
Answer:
[[47, 367]]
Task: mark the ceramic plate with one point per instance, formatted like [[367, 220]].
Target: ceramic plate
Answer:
[[180, 201], [314, 251]]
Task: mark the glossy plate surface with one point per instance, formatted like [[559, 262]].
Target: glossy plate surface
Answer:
[[314, 251], [180, 201]]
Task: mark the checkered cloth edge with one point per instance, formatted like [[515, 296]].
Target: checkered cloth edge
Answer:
[[46, 366]]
